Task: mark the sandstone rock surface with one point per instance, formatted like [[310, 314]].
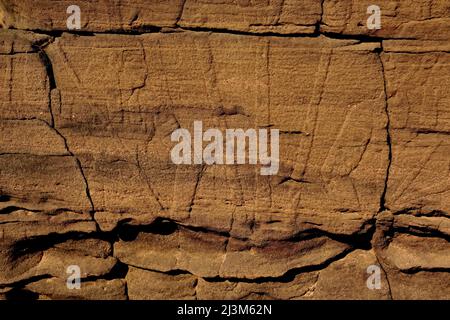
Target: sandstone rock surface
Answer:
[[86, 177]]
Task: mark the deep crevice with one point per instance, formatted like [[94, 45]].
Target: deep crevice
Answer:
[[41, 243], [11, 209], [288, 276], [383, 206], [127, 232], [422, 232], [387, 277], [415, 270], [83, 176], [180, 29], [358, 240], [50, 77], [21, 294], [5, 198]]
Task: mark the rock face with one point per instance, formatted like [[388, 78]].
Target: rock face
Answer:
[[86, 177]]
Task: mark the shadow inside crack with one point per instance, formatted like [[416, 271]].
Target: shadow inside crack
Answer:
[[127, 232]]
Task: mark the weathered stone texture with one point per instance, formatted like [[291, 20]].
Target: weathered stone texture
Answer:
[[426, 19], [86, 177], [290, 16]]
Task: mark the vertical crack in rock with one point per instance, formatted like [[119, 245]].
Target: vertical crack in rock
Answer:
[[197, 184], [180, 14], [83, 176], [388, 133], [50, 77], [126, 287], [195, 289], [147, 181], [320, 21], [52, 85], [388, 167], [387, 276], [279, 13]]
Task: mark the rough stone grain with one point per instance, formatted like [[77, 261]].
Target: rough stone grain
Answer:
[[86, 177]]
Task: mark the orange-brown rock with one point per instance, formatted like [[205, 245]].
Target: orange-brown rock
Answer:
[[86, 177], [426, 20]]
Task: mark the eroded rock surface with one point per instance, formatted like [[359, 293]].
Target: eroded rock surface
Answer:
[[86, 177]]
